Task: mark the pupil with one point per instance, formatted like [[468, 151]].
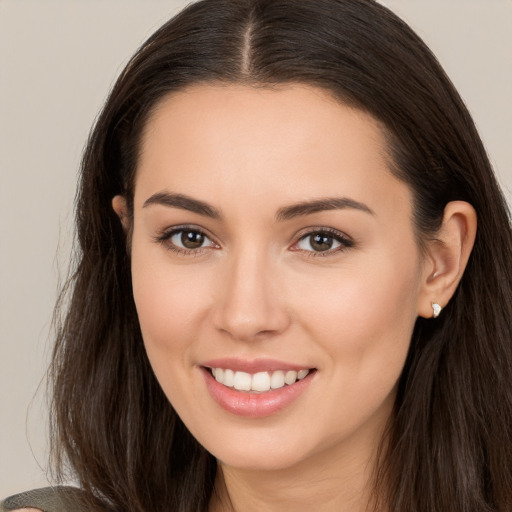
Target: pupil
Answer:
[[321, 242], [192, 240]]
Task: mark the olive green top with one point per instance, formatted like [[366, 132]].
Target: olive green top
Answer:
[[49, 499]]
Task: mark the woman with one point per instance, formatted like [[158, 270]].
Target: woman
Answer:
[[281, 299]]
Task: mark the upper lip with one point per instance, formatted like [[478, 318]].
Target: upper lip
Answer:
[[254, 365]]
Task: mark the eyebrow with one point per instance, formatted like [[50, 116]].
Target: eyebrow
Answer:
[[184, 202], [286, 213], [319, 205]]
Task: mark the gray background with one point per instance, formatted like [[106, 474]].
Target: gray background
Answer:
[[58, 59]]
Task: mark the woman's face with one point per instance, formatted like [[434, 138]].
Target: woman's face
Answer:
[[273, 248]]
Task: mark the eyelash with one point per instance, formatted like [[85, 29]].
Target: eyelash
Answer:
[[164, 238], [344, 242]]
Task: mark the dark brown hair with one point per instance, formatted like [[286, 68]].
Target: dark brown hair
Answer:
[[449, 445]]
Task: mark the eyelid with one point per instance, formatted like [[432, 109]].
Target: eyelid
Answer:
[[346, 242], [164, 236]]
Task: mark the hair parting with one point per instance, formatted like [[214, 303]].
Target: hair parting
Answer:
[[449, 442]]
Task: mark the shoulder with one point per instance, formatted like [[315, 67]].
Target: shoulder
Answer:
[[48, 499]]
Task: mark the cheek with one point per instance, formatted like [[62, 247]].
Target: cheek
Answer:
[[364, 314], [364, 326], [170, 301]]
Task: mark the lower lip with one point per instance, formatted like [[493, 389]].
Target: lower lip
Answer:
[[254, 405]]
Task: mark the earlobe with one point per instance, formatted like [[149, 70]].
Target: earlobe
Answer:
[[447, 258], [120, 207]]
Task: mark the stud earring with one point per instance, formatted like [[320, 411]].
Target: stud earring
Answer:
[[437, 309]]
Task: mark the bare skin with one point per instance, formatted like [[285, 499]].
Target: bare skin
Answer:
[[335, 289]]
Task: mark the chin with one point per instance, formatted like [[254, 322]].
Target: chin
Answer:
[[261, 460], [262, 449]]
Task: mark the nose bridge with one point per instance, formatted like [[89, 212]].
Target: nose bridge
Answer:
[[249, 305]]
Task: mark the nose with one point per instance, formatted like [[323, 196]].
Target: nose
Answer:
[[249, 304]]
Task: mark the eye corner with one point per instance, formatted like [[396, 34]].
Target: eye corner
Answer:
[[174, 239], [326, 242]]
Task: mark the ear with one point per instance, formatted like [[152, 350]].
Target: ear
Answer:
[[447, 257], [120, 207]]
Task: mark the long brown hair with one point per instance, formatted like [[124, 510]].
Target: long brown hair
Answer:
[[449, 445]]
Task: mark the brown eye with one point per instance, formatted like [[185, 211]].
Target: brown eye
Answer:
[[323, 241], [318, 242], [189, 239], [192, 239]]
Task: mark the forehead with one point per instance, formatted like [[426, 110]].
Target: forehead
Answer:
[[220, 114], [294, 140]]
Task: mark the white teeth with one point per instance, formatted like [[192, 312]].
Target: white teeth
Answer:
[[259, 382], [290, 377], [243, 381], [277, 380], [300, 374], [229, 378]]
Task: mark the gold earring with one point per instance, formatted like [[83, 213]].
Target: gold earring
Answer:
[[437, 309]]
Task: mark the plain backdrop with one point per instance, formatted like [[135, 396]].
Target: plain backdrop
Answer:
[[58, 60]]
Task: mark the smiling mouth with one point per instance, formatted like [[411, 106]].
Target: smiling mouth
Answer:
[[259, 382]]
